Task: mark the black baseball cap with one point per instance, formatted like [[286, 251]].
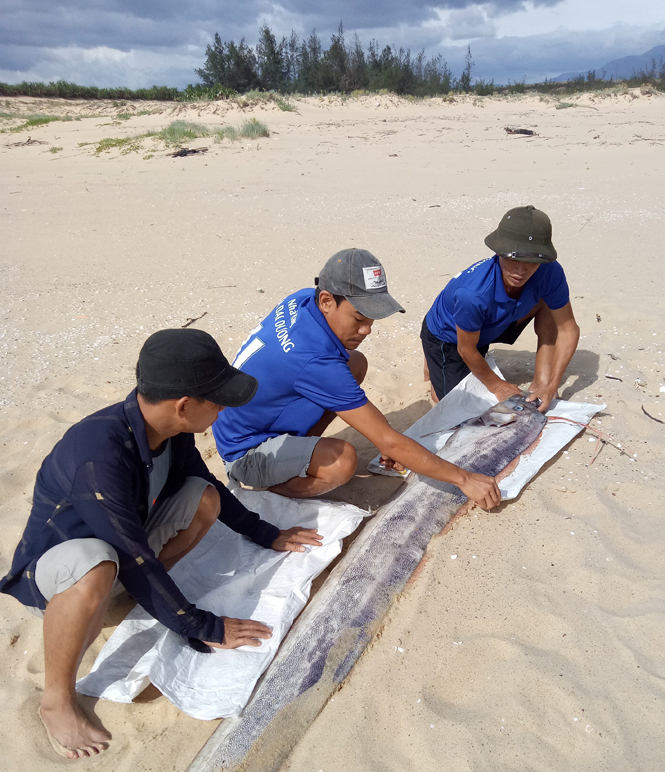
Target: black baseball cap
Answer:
[[524, 234], [361, 279], [189, 363]]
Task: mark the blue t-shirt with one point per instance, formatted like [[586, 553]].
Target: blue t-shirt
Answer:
[[302, 369], [476, 300]]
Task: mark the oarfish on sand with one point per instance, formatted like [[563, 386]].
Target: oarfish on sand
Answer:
[[342, 618]]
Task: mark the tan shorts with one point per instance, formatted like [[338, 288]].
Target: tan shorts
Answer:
[[62, 566]]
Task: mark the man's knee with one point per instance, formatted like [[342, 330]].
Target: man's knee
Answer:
[[334, 461], [95, 587], [90, 565], [209, 507], [358, 365]]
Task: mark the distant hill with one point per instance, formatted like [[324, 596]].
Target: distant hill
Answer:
[[621, 68]]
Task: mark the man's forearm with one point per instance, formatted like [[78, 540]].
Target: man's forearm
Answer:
[[475, 361], [564, 349], [414, 456]]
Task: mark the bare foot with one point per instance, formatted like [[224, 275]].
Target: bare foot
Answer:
[[70, 732]]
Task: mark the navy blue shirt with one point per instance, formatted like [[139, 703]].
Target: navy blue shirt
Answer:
[[476, 300], [302, 369], [94, 484]]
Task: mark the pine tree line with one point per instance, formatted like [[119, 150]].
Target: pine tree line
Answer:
[[303, 66]]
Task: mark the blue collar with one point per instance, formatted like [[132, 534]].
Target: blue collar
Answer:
[[320, 319], [500, 294], [136, 427]]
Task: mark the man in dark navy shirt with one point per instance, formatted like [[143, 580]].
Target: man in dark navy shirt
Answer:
[[121, 498], [304, 355], [493, 301]]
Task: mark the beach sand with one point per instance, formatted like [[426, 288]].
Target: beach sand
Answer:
[[541, 646]]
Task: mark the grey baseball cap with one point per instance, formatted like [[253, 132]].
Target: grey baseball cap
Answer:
[[524, 234], [361, 279]]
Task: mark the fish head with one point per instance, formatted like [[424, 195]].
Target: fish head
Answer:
[[508, 411]]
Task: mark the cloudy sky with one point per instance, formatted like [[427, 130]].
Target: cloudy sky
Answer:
[[139, 43]]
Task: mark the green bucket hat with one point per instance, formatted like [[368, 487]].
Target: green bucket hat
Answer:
[[524, 234]]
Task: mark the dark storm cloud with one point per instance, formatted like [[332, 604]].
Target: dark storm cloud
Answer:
[[139, 43], [125, 24]]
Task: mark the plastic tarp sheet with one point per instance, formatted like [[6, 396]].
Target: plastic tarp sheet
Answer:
[[469, 399], [231, 576]]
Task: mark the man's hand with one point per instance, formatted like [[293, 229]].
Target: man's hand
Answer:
[[544, 393], [481, 489], [504, 390], [389, 463], [241, 632], [293, 539]]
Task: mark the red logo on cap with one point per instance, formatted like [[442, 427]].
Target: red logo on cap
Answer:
[[377, 272]]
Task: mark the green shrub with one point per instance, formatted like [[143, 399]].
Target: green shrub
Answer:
[[65, 90], [206, 93], [484, 88]]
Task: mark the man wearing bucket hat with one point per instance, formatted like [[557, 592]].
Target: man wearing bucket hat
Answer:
[[121, 498], [493, 301], [304, 356]]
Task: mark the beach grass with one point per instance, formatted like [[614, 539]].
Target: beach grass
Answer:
[[127, 116], [33, 121], [54, 149], [253, 129], [124, 144], [183, 131], [227, 132], [247, 99], [253, 97]]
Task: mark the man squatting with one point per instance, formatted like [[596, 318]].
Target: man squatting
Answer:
[[493, 301], [119, 500], [304, 356]]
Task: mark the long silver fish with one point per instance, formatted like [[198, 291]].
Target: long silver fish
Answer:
[[342, 618]]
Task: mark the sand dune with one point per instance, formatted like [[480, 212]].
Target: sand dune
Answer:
[[545, 650]]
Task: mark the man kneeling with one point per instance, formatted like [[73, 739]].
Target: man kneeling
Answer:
[[121, 498]]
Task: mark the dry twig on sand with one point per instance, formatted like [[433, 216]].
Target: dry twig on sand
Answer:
[[191, 320], [29, 141], [525, 132], [181, 152]]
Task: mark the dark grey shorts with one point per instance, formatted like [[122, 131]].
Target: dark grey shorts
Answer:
[[62, 566], [446, 366], [274, 461]]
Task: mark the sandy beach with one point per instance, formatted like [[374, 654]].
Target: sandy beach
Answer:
[[541, 645]]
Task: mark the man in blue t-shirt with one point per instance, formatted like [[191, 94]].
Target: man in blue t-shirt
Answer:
[[493, 301], [304, 356]]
